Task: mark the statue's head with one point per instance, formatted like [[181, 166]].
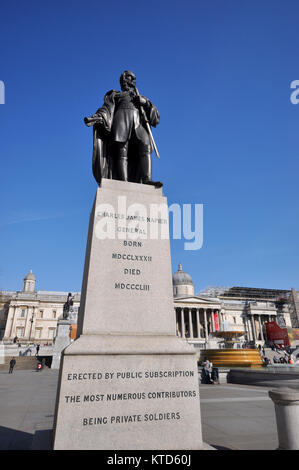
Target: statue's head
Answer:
[[127, 80]]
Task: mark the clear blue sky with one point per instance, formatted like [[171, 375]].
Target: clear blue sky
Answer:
[[219, 73]]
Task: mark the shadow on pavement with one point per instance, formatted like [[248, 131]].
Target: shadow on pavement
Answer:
[[220, 447], [11, 439]]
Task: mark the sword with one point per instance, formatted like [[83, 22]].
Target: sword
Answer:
[[143, 114]]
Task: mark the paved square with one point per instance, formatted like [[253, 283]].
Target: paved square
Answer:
[[236, 417]]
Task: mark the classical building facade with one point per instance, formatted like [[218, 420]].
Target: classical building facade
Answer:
[[32, 315], [242, 309]]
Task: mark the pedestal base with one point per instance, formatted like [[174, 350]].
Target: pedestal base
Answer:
[[128, 393], [62, 340]]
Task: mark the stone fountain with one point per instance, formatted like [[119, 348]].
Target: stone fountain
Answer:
[[230, 338], [230, 355]]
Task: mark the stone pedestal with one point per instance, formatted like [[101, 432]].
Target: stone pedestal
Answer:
[[128, 382], [287, 417], [62, 340]]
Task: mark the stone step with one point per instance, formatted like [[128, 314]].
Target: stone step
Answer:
[[22, 363]]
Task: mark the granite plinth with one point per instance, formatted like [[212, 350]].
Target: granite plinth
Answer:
[[128, 382], [62, 340]]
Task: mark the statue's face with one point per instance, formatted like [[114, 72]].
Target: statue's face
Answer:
[[127, 81]]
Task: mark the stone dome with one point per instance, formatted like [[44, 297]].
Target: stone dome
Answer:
[[181, 278], [30, 276], [29, 282]]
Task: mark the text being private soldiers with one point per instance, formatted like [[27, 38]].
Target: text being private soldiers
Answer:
[[123, 141]]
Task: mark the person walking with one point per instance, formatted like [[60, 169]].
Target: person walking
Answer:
[[37, 349], [12, 363]]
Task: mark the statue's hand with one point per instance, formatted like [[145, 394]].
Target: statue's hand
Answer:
[[95, 119], [98, 118]]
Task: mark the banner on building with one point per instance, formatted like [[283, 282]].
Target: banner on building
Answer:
[[276, 334], [216, 321]]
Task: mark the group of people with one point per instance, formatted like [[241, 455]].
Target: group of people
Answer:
[[286, 358], [282, 360]]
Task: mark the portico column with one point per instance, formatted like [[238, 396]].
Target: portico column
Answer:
[[13, 325], [250, 329], [253, 328], [198, 323], [219, 320], [191, 334], [9, 322], [247, 328], [27, 323], [176, 313], [206, 324], [183, 323], [213, 320], [222, 320], [261, 328]]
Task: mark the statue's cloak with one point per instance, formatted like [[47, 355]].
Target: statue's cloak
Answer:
[[102, 156], [103, 146]]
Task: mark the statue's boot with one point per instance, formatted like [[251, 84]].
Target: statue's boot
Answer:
[[146, 168], [157, 184], [122, 163]]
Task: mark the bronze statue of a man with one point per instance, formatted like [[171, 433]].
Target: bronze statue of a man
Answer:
[[67, 306], [123, 142]]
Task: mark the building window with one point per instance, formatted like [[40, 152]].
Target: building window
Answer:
[[23, 312], [38, 333], [54, 313], [20, 332], [51, 333], [41, 314]]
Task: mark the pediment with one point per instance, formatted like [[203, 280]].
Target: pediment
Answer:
[[196, 299]]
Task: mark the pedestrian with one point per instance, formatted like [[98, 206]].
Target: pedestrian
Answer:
[[275, 360], [266, 361], [11, 365], [215, 375], [263, 349], [207, 369], [37, 349]]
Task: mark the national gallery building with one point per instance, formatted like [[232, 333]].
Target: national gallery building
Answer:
[[31, 316]]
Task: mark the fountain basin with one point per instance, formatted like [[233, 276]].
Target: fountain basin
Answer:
[[233, 357]]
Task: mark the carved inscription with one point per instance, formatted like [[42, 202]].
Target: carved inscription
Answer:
[[152, 393], [131, 256]]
